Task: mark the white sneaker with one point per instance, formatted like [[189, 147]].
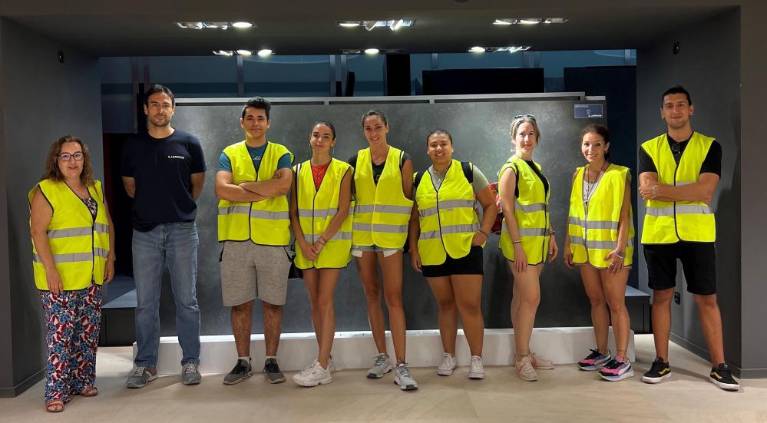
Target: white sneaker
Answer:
[[525, 370], [403, 378], [447, 366], [541, 363], [476, 370], [381, 366], [313, 376]]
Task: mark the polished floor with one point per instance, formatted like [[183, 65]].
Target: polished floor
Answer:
[[561, 395]]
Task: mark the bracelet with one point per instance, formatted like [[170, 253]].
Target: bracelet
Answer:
[[551, 232], [516, 242], [487, 235], [619, 256]]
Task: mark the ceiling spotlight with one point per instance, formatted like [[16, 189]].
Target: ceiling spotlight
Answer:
[[371, 51], [243, 52], [242, 25], [223, 53], [264, 52], [477, 50], [349, 24], [503, 22], [554, 20], [530, 21]]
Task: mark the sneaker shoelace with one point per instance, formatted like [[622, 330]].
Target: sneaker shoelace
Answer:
[[380, 360], [593, 356], [138, 371], [272, 367], [190, 368], [657, 366], [403, 371]]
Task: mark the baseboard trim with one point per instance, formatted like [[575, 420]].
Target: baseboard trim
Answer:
[[13, 391], [354, 350]]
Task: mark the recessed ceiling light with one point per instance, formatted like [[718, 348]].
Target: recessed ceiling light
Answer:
[[529, 21], [554, 20], [371, 51], [243, 52], [264, 52], [223, 52], [503, 22], [242, 25], [349, 24], [477, 50]]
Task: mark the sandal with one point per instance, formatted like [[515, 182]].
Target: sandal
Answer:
[[90, 391], [54, 406]]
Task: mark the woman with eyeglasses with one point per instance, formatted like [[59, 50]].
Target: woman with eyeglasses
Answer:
[[383, 186], [73, 248], [322, 226], [527, 238], [600, 242], [446, 244]]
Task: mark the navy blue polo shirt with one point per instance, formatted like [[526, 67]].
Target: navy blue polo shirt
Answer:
[[162, 168]]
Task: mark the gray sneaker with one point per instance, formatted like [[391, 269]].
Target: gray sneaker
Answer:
[[403, 379], [190, 375], [140, 376], [241, 371], [272, 371], [381, 366]]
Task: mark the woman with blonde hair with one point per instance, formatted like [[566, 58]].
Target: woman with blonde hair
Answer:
[[527, 238]]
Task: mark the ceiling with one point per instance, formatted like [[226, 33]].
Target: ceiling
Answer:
[[146, 28]]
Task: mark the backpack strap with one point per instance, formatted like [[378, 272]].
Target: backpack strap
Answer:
[[468, 171]]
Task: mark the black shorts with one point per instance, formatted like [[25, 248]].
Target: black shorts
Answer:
[[698, 262], [472, 264]]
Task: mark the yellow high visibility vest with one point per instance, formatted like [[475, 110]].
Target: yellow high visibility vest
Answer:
[[265, 222], [316, 208], [667, 222], [447, 217], [531, 212], [382, 211], [594, 232], [79, 243]]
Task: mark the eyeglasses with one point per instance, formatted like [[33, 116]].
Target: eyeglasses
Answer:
[[524, 116], [65, 157]]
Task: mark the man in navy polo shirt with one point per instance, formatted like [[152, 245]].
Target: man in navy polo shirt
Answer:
[[163, 170]]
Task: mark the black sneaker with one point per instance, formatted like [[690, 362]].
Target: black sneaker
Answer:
[[721, 376], [241, 371], [658, 371], [272, 371]]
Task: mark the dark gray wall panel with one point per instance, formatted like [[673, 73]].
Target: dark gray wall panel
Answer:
[[42, 100], [481, 133], [717, 113]]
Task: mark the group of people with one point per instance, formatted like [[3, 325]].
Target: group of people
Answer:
[[368, 207]]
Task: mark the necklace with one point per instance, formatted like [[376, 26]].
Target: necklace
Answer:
[[377, 160]]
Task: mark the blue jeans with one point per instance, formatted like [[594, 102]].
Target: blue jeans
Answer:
[[173, 245]]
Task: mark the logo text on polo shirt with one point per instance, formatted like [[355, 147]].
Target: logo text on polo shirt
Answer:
[[176, 157]]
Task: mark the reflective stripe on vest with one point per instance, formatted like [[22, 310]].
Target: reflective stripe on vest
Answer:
[[530, 213], [264, 222], [316, 210], [667, 222], [382, 211], [447, 218], [78, 243], [593, 236]]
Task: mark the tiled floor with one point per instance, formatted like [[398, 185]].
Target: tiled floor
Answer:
[[564, 394]]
